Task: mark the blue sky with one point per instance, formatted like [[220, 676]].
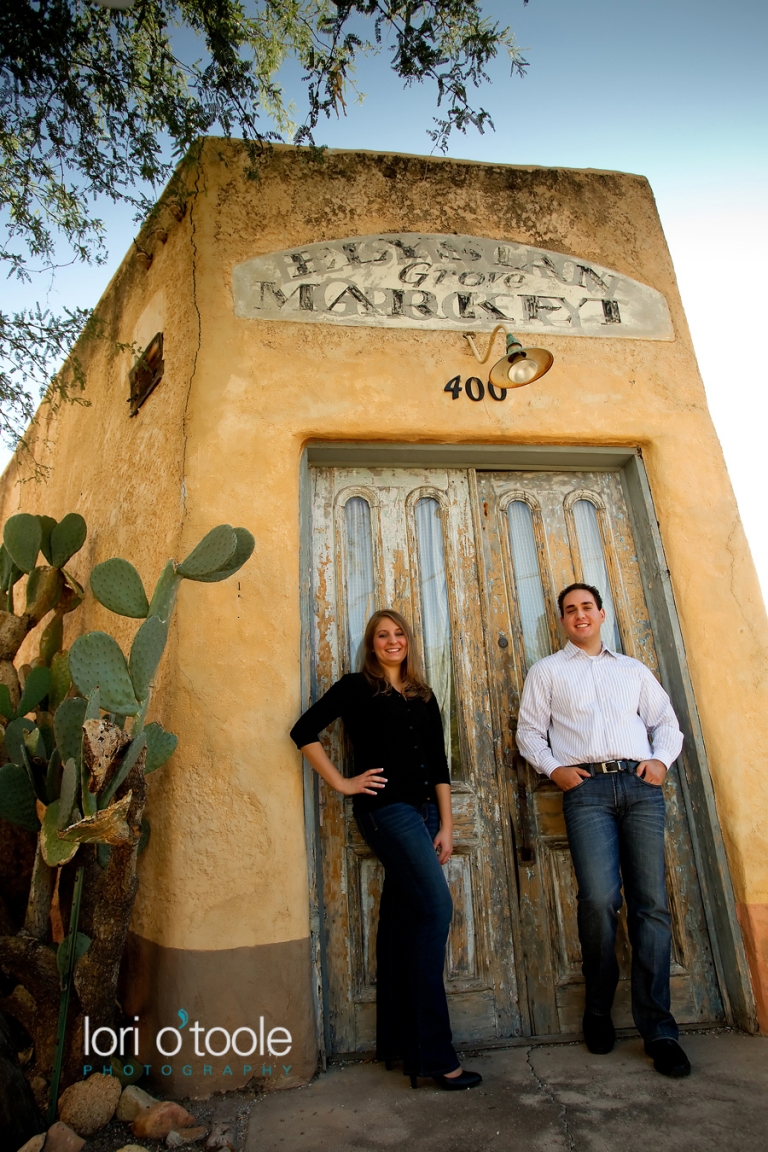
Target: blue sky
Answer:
[[674, 89]]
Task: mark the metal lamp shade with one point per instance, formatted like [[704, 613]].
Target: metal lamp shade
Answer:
[[536, 360]]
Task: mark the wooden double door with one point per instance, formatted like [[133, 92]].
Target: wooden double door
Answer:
[[475, 560]]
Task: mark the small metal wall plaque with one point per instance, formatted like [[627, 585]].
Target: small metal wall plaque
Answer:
[[454, 283]]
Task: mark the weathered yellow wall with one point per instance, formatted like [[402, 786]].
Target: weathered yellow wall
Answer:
[[221, 440]]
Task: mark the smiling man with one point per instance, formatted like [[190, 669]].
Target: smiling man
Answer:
[[601, 727]]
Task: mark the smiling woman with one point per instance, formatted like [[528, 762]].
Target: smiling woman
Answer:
[[392, 715]]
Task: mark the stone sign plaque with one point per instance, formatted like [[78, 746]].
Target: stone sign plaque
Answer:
[[455, 283]]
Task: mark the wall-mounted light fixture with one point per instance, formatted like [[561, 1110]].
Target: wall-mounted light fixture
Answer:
[[520, 366]]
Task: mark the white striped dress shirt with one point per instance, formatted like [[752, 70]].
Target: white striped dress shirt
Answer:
[[579, 709]]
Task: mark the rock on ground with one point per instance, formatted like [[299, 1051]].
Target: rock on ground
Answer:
[[176, 1139], [34, 1145], [133, 1101], [89, 1105], [61, 1138], [132, 1148], [161, 1119]]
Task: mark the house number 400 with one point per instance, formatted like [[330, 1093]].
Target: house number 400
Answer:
[[474, 389]]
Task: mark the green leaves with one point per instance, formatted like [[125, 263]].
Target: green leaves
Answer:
[[161, 745], [96, 661], [117, 585], [22, 536], [17, 797]]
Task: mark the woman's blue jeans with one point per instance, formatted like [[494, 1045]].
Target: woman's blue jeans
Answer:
[[412, 1019], [615, 829]]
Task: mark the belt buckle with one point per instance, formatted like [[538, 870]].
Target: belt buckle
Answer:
[[609, 767]]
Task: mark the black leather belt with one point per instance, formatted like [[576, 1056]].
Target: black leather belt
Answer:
[[608, 766]]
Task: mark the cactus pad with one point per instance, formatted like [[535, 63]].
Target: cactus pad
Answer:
[[6, 707], [53, 777], [213, 552], [17, 798], [96, 661], [44, 589], [161, 745], [70, 781], [67, 538], [164, 595], [47, 525], [56, 851], [14, 740], [36, 688], [243, 552], [117, 585], [52, 638], [146, 650], [61, 681], [22, 536], [68, 728]]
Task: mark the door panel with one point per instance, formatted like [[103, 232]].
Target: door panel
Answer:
[[475, 561], [424, 565], [582, 532]]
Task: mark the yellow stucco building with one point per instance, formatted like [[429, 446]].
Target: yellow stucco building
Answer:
[[314, 385]]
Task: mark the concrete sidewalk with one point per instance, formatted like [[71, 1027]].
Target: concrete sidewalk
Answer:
[[556, 1098]]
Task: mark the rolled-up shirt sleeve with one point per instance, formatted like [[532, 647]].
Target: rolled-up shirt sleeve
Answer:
[[534, 720], [655, 710]]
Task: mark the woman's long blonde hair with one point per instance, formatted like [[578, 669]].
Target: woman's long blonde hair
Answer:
[[414, 684]]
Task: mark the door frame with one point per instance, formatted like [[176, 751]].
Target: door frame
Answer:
[[696, 781]]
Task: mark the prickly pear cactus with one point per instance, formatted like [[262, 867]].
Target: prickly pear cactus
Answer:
[[95, 661], [117, 585]]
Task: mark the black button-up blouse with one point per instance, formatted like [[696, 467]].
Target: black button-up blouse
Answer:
[[402, 736]]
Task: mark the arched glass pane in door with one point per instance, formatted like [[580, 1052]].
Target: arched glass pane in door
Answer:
[[359, 591], [436, 621], [530, 592], [594, 567]]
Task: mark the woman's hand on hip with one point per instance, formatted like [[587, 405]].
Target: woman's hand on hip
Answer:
[[367, 783], [443, 843]]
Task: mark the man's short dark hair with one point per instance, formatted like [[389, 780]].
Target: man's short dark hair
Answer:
[[573, 588]]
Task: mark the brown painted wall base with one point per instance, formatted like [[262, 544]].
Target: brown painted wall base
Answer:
[[227, 989], [754, 925]]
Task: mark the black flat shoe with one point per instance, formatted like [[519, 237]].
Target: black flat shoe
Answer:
[[465, 1079], [599, 1033], [668, 1057]]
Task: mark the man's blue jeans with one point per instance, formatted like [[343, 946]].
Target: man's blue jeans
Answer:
[[615, 829], [412, 1019]]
